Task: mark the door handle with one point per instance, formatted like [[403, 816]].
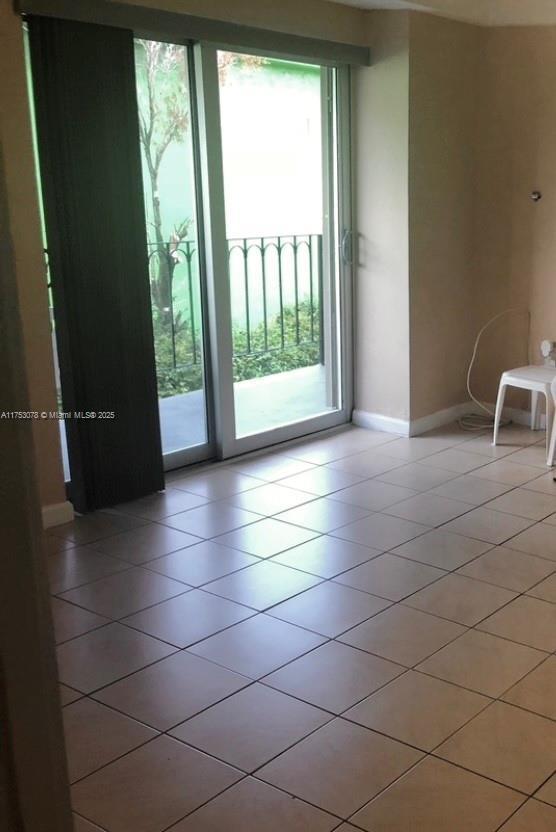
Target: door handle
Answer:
[[346, 247]]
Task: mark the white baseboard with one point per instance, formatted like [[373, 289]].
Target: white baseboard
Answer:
[[56, 514], [376, 421], [440, 418], [415, 427]]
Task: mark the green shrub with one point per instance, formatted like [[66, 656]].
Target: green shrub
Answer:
[[264, 358]]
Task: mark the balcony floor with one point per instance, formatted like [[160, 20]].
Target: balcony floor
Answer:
[[261, 404]]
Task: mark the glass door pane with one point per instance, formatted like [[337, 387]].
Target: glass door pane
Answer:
[[166, 124], [277, 124]]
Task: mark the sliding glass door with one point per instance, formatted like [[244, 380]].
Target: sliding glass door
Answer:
[[276, 127], [167, 131], [278, 211], [246, 183]]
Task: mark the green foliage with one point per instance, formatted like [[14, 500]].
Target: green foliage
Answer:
[[261, 361]]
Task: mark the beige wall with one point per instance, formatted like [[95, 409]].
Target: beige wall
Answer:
[[15, 137], [516, 238], [381, 116], [445, 73]]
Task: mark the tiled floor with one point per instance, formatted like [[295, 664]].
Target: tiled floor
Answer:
[[357, 632]]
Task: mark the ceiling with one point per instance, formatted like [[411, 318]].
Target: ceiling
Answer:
[[484, 12]]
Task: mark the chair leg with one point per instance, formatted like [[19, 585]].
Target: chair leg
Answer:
[[551, 458], [534, 410], [498, 411], [550, 431]]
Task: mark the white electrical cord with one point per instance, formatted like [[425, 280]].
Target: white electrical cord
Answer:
[[476, 421]]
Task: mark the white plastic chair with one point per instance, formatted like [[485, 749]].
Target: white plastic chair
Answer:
[[552, 446], [538, 380]]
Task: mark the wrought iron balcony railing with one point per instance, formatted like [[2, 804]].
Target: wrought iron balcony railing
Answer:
[[276, 296]]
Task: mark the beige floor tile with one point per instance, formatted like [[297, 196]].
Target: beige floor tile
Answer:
[[551, 520], [438, 797], [100, 657], [483, 445], [68, 695], [92, 527], [510, 473], [367, 464], [482, 663], [145, 543], [526, 620], [533, 815], [329, 608], [538, 540], [323, 515], [537, 691], [262, 585], [390, 577], [414, 448], [442, 549], [74, 567], [534, 455], [487, 525], [417, 476], [82, 825], [381, 531], [403, 635], [188, 618], [548, 792], [271, 467], [456, 460], [164, 504], [546, 590], [52, 545], [216, 483], [166, 693], [523, 503], [252, 726], [544, 484], [346, 443], [326, 556], [266, 538], [151, 788], [212, 519], [508, 568], [373, 495], [519, 435], [418, 710], [257, 646], [340, 767], [430, 509], [460, 599], [125, 592], [321, 481], [201, 563], [270, 498], [70, 621], [252, 806], [334, 676], [96, 735], [507, 744], [470, 489]]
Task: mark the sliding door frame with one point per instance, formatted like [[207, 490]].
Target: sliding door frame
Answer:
[[337, 161]]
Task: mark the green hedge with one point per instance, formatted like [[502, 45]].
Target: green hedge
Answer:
[[263, 360]]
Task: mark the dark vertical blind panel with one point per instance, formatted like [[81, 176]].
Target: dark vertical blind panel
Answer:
[[87, 124]]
